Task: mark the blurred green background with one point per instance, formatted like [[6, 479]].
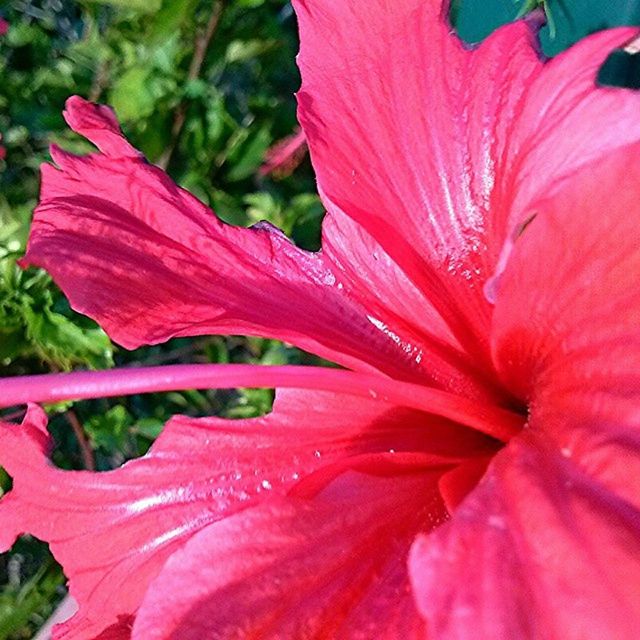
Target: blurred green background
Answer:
[[204, 89]]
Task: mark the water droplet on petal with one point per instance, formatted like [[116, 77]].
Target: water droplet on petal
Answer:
[[490, 289]]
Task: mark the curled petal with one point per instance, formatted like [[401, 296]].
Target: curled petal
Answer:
[[149, 261], [98, 124]]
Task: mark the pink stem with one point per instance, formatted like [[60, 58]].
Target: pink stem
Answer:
[[494, 421]]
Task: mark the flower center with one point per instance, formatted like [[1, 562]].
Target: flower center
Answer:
[[455, 484]]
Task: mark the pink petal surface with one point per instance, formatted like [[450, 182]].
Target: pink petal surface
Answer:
[[418, 138], [113, 531], [548, 545], [111, 225], [568, 306], [538, 550], [329, 568], [401, 310], [567, 316]]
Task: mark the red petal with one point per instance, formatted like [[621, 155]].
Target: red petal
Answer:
[[567, 316], [113, 531], [455, 484], [418, 138], [538, 550], [549, 543], [98, 123], [401, 310], [567, 312], [333, 567], [149, 261]]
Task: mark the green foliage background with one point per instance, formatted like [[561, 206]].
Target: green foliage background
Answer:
[[204, 88]]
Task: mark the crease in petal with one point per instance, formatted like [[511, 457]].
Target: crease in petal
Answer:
[[400, 309]]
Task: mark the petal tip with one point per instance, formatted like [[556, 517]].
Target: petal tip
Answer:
[[98, 123], [80, 114]]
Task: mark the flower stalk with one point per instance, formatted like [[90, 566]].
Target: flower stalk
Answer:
[[493, 421]]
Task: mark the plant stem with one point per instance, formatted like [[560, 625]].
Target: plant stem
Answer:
[[86, 451], [200, 51]]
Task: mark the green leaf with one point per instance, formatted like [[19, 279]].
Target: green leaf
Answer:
[[58, 340], [241, 50], [139, 6], [149, 428], [110, 430], [252, 403], [131, 95], [29, 599], [249, 4], [248, 157], [170, 18]]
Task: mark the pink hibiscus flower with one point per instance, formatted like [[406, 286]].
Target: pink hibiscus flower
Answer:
[[473, 470], [284, 156]]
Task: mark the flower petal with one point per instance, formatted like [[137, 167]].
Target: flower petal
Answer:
[[537, 550], [283, 157], [548, 545], [566, 317], [566, 321], [330, 567], [400, 309], [148, 261], [113, 531], [418, 138]]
